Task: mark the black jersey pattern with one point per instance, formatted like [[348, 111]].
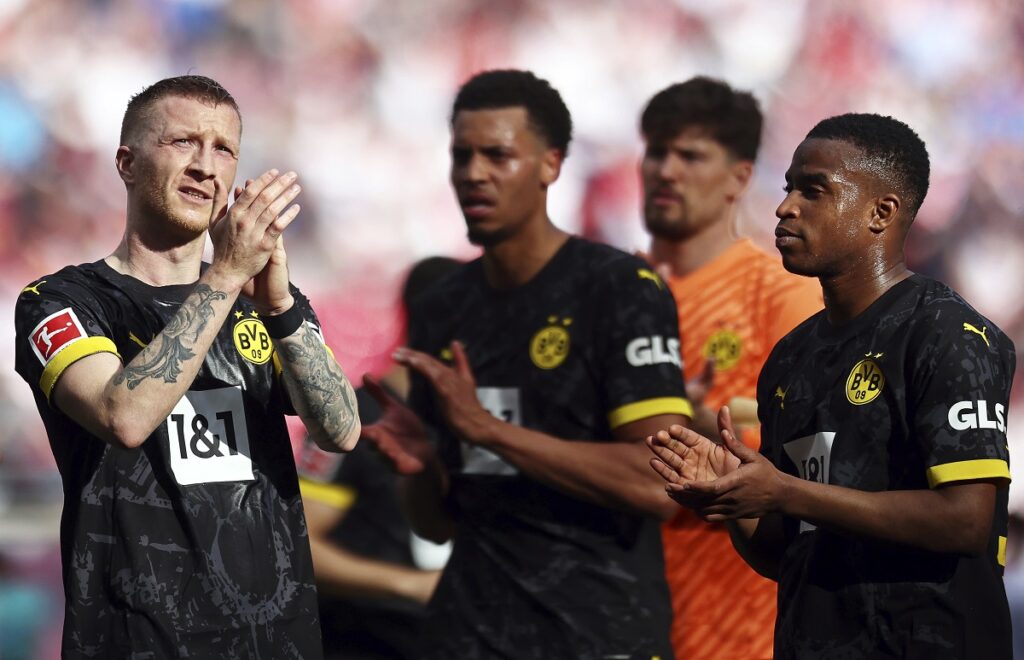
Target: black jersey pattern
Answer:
[[193, 545], [912, 394], [590, 343]]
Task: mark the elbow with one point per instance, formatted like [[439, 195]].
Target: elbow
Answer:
[[344, 440], [126, 433]]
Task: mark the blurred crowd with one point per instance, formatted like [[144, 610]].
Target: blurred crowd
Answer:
[[354, 95]]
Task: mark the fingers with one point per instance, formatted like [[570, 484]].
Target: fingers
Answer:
[[264, 199], [462, 362], [668, 450], [664, 471], [732, 443], [219, 206], [430, 368]]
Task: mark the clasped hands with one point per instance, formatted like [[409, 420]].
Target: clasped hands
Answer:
[[247, 238], [719, 482]]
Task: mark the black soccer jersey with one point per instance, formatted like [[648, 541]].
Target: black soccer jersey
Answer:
[[912, 394], [193, 545], [589, 344]]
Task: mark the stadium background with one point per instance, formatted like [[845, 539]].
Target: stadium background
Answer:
[[354, 95]]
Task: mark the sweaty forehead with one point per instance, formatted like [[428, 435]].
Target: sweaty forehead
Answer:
[[833, 159], [491, 125]]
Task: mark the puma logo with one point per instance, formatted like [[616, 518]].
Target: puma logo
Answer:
[[649, 275], [981, 333], [34, 288], [781, 395]]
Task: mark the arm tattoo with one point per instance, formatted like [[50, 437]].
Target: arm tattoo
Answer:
[[163, 358], [320, 382]]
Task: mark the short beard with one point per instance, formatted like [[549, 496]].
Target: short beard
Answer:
[[665, 229], [486, 239]]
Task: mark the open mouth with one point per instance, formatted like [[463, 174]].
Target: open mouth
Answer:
[[194, 194]]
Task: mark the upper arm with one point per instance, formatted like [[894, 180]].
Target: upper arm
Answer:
[[79, 391], [639, 349]]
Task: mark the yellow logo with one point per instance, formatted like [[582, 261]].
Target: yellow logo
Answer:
[[780, 394], [970, 328], [646, 274], [724, 348], [865, 382], [35, 288], [253, 341], [550, 346]]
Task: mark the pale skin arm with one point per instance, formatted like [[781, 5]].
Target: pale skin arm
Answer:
[[613, 474], [732, 482], [348, 574], [124, 403], [316, 385]]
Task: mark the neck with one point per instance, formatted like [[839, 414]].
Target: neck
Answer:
[[688, 254], [517, 259], [850, 293], [158, 263]]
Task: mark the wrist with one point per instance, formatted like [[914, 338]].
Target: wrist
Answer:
[[221, 281], [284, 323], [277, 309]]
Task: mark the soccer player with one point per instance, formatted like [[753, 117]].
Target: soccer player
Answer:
[[372, 594], [735, 302], [542, 365], [163, 382], [879, 499]]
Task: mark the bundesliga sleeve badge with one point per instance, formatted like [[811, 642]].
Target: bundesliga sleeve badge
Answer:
[[54, 333]]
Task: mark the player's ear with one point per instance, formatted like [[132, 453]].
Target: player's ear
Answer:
[[741, 173], [124, 160], [886, 210], [550, 167]]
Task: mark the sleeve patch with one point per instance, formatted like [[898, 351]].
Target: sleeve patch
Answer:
[[54, 333], [339, 497], [667, 405], [1001, 552], [70, 354], [985, 468]]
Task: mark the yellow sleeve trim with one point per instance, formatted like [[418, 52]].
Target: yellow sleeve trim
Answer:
[[982, 468], [666, 405], [70, 354], [1001, 553], [340, 497]]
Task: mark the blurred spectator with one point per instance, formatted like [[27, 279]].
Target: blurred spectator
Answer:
[[372, 589]]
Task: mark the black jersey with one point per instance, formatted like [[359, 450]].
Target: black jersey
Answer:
[[194, 544], [912, 394], [589, 344]]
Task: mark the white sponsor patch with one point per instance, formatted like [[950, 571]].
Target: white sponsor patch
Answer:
[[965, 415], [644, 351], [54, 333], [503, 403], [208, 437], [812, 455]]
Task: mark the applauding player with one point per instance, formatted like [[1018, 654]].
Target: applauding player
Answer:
[[163, 381], [879, 499]]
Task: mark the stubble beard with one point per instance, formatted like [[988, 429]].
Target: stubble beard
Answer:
[[163, 218]]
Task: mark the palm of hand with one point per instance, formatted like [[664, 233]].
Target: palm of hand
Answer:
[[401, 437]]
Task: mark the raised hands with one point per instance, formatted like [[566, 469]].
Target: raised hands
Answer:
[[398, 435], [247, 245], [718, 481], [455, 388]]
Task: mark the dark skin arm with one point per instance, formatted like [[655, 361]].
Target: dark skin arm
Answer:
[[612, 474], [732, 482]]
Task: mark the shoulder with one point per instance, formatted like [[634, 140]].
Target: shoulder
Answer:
[[607, 267], [71, 285], [941, 315]]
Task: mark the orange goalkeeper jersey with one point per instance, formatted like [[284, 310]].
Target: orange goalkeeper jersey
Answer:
[[733, 309]]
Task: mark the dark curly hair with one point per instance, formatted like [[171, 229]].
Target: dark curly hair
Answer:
[[731, 117], [511, 88], [199, 88], [898, 151]]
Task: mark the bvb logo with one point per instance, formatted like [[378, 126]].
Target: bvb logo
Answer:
[[724, 349], [550, 346], [865, 383], [252, 341]]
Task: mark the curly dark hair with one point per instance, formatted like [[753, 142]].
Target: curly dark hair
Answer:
[[199, 88], [898, 151], [511, 88], [731, 117]]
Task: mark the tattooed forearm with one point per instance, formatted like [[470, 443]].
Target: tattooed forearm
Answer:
[[319, 388], [163, 358]]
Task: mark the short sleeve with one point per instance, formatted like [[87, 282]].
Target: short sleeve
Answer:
[[960, 391], [58, 321], [639, 345]]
